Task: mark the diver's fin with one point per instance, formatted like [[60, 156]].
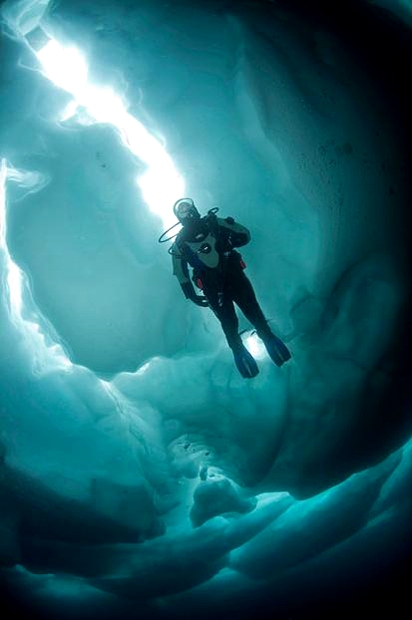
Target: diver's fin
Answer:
[[277, 350], [245, 362]]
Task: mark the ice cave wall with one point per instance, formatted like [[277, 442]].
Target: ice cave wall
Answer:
[[116, 395]]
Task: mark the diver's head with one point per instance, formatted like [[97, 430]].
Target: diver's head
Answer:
[[185, 211]]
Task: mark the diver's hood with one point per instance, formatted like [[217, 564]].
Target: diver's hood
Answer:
[[185, 210]]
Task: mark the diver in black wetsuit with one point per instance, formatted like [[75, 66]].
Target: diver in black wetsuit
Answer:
[[206, 244]]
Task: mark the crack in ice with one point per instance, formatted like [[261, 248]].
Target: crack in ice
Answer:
[[160, 184]]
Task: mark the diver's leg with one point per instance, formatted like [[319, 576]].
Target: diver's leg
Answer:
[[224, 309], [244, 296], [222, 305]]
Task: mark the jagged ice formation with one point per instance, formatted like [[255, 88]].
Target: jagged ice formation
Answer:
[[140, 475]]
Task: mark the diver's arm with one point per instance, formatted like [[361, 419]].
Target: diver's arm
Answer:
[[237, 234], [189, 293], [180, 270]]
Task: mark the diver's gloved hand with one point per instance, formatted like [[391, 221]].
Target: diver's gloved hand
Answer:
[[189, 293], [200, 300], [230, 241], [225, 242]]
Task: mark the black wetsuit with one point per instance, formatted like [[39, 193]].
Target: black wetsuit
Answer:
[[207, 246]]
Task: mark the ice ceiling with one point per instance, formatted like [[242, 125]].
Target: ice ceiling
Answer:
[[140, 475]]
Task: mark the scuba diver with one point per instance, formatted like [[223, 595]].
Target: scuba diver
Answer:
[[206, 244]]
